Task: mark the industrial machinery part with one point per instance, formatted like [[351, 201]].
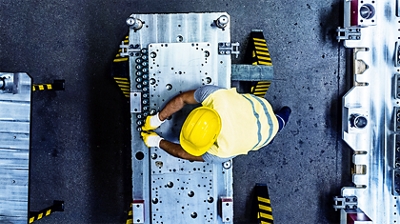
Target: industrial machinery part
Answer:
[[371, 112], [15, 117], [164, 55], [169, 54], [15, 125]]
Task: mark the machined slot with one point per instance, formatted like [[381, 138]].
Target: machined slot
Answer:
[[397, 87], [397, 151], [396, 165], [397, 119], [396, 181], [397, 54], [360, 169]]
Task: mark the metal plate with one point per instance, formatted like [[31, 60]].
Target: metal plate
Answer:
[[170, 54], [190, 64], [374, 96], [15, 115]]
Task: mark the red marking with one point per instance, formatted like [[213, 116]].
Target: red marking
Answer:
[[354, 13], [357, 217]]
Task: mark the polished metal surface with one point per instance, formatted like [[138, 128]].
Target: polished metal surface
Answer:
[[15, 116], [369, 110], [170, 54]]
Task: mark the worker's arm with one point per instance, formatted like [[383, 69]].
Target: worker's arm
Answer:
[[177, 151], [177, 103]]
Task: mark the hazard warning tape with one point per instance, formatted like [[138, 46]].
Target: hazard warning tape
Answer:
[[58, 206], [129, 219], [40, 215], [56, 85], [260, 56], [124, 85], [264, 208], [42, 87], [261, 88]]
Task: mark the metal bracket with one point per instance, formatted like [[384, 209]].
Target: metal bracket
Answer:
[[136, 102], [138, 211], [229, 48], [349, 202], [129, 50], [348, 34], [227, 209]]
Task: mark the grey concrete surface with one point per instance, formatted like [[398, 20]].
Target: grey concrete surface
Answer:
[[80, 137]]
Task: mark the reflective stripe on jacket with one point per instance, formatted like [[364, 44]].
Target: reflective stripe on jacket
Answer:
[[248, 122]]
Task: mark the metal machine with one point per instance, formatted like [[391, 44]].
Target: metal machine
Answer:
[[167, 54], [15, 130], [371, 112], [15, 116]]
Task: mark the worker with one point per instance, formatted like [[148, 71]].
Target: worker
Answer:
[[226, 125]]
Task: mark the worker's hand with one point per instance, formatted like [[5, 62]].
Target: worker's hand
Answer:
[[152, 122], [151, 139]]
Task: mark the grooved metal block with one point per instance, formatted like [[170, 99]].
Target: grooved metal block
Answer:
[[170, 54], [15, 115]]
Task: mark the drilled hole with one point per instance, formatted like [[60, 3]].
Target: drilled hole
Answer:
[[139, 155]]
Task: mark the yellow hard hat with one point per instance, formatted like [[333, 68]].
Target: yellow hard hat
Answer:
[[200, 130]]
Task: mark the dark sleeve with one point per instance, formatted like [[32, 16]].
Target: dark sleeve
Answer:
[[203, 92]]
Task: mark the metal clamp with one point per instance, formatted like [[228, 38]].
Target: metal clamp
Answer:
[[7, 83], [129, 50], [229, 48], [348, 34], [347, 202]]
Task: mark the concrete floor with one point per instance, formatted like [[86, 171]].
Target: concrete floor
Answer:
[[81, 137]]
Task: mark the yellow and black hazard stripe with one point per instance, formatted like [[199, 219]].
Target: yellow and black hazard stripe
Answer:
[[129, 219], [260, 88], [40, 215], [124, 85], [118, 57], [58, 206], [260, 56], [120, 70], [55, 86], [264, 208], [42, 87], [260, 51]]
